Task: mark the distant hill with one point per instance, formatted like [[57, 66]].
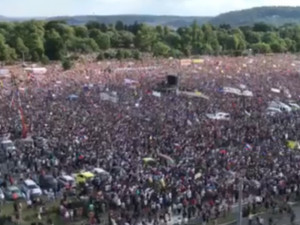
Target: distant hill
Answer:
[[175, 21], [271, 15]]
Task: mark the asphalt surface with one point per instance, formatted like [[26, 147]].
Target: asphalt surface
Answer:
[[278, 219]]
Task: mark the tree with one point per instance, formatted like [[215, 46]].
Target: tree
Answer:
[[225, 26], [207, 49], [290, 45], [126, 39], [81, 31], [160, 32], [84, 45], [109, 54], [161, 49], [186, 40], [32, 34], [36, 47], [175, 53], [114, 39], [252, 37], [119, 25], [67, 64], [197, 38], [270, 37], [261, 47], [100, 56], [262, 27], [103, 27], [6, 53], [54, 45], [136, 54], [173, 39], [94, 33], [278, 46], [127, 53], [145, 38], [20, 48], [103, 41], [93, 25], [120, 54]]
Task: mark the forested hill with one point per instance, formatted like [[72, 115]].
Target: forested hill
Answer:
[[173, 21], [271, 15]]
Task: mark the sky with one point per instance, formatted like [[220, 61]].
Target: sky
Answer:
[[48, 8]]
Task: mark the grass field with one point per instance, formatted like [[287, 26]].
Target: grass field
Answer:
[[29, 215]]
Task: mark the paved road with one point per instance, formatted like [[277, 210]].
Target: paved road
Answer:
[[278, 219]]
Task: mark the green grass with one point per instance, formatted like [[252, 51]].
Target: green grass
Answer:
[[222, 220], [30, 215]]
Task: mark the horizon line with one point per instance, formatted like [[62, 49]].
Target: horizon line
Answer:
[[136, 14]]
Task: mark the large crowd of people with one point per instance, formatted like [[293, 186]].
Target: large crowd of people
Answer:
[[163, 154]]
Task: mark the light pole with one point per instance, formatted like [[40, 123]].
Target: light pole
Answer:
[[240, 213]]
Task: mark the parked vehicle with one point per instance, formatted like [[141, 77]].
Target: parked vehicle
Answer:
[[6, 147], [13, 193], [47, 182], [83, 177], [30, 188], [66, 181], [2, 196]]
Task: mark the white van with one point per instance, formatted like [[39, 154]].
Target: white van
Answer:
[[30, 188]]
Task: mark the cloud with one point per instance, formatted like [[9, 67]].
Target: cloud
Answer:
[[106, 7]]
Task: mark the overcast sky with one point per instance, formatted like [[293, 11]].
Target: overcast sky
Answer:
[[32, 8]]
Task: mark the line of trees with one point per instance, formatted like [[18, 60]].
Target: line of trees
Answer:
[[43, 41]]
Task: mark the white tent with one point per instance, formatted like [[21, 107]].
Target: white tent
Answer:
[[36, 70], [4, 73]]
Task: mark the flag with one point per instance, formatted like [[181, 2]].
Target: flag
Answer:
[[248, 147], [12, 102], [292, 144], [168, 158]]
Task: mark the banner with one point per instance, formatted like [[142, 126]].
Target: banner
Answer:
[[156, 94], [293, 144], [185, 62], [194, 94], [198, 61]]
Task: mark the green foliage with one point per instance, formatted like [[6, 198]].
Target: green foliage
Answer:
[[175, 53], [161, 49], [119, 25], [84, 45], [67, 64], [110, 54], [100, 56], [264, 17], [20, 47], [54, 45], [278, 47], [145, 38], [81, 31], [45, 60], [7, 53], [136, 54], [127, 54], [261, 48], [53, 40], [103, 41], [120, 54], [126, 39]]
